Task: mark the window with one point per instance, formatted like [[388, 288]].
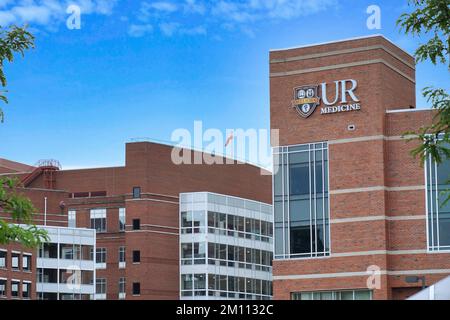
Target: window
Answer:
[[136, 288], [100, 255], [100, 286], [70, 251], [301, 202], [3, 258], [26, 262], [136, 256], [136, 192], [186, 222], [26, 290], [48, 251], [199, 221], [122, 288], [2, 287], [98, 220], [15, 289], [121, 219], [333, 295], [122, 257], [72, 219], [186, 253], [136, 224], [15, 261], [438, 210]]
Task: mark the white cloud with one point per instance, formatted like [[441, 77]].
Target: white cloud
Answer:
[[231, 15], [163, 6], [49, 13], [32, 14], [193, 6], [140, 30], [200, 30]]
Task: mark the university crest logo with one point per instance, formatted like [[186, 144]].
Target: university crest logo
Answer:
[[306, 100]]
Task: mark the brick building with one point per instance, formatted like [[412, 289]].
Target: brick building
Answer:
[[356, 217], [135, 210]]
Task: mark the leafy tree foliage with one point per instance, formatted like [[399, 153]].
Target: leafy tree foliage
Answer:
[[12, 40], [431, 19]]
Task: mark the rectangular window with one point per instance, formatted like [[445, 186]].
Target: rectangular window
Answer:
[[98, 219], [136, 288], [72, 219], [100, 286], [121, 255], [100, 255], [136, 256], [438, 209], [26, 290], [26, 262], [136, 224], [301, 202], [15, 257], [122, 288], [333, 295], [2, 287], [121, 219], [136, 192], [15, 289], [3, 258], [199, 221]]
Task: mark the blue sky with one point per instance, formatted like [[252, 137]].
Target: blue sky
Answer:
[[145, 68]]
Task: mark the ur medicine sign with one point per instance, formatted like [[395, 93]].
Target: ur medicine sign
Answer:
[[308, 98]]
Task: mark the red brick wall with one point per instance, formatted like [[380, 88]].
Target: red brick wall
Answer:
[[383, 161], [149, 166]]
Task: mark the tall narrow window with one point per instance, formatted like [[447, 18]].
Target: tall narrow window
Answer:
[[121, 219], [98, 219], [122, 288], [2, 288], [136, 192], [438, 209], [72, 219], [26, 290], [301, 201], [26, 262], [3, 255], [15, 257], [136, 288], [136, 256], [15, 289], [122, 257]]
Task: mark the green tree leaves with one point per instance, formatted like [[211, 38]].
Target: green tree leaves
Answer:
[[21, 210], [12, 40], [432, 18]]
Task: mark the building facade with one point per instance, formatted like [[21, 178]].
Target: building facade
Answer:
[[65, 265], [135, 211], [226, 247], [356, 216]]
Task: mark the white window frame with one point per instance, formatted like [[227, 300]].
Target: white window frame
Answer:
[[431, 166], [99, 214], [122, 264], [122, 217], [72, 218]]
